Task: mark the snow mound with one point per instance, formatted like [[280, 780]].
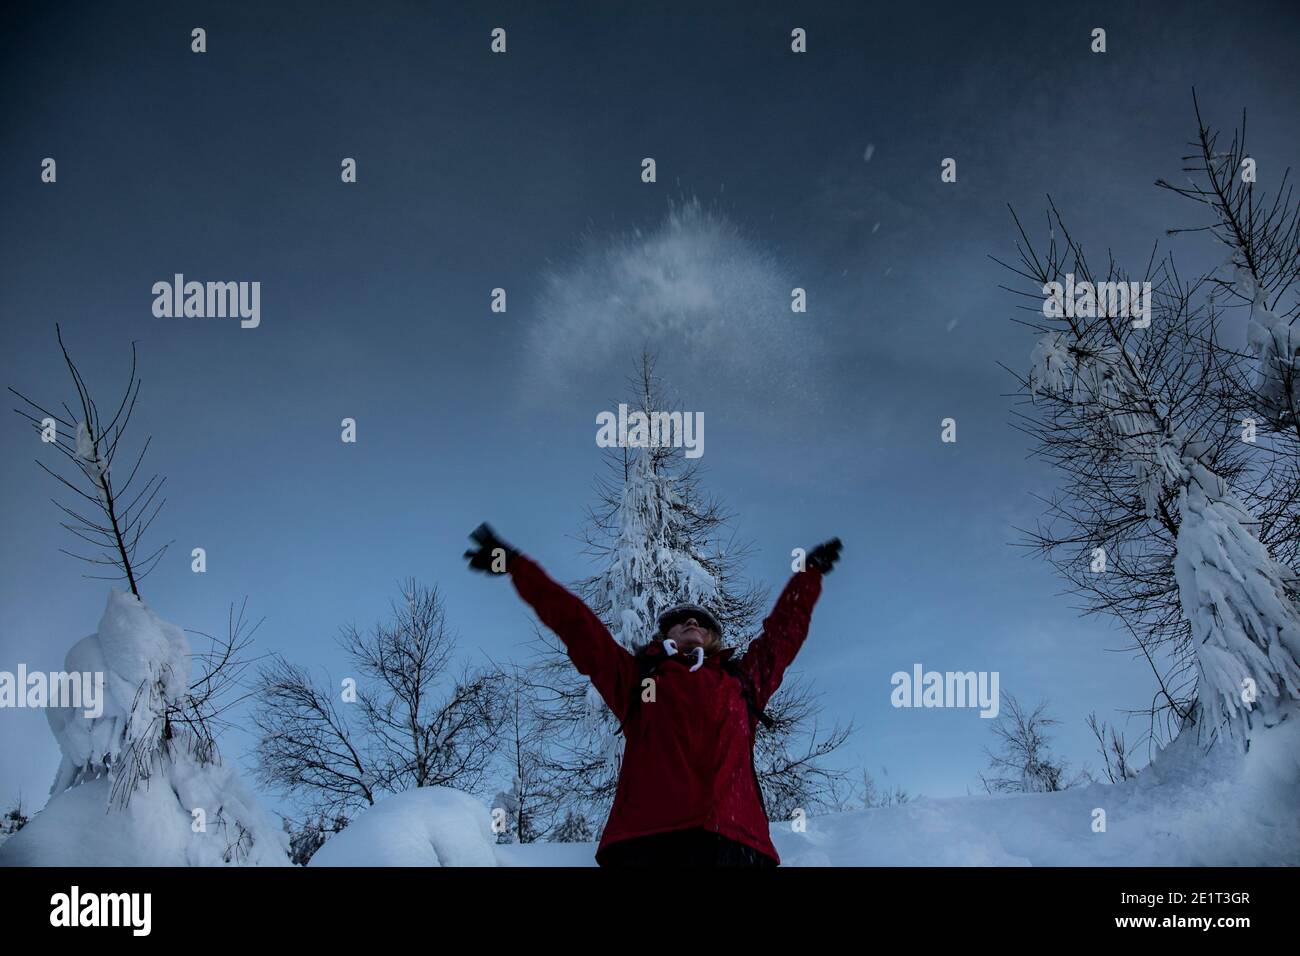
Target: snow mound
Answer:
[[136, 787], [156, 828], [1189, 807], [430, 826]]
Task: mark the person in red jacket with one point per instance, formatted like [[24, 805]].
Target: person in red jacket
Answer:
[[687, 790]]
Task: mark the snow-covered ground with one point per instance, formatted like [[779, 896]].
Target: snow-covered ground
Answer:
[[1228, 805], [1185, 809], [77, 828], [1180, 811]]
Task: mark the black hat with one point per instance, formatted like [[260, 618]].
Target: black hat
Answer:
[[680, 612]]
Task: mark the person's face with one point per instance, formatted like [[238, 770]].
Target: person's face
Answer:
[[690, 634]]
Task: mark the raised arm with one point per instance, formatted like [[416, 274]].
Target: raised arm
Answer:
[[785, 629], [591, 647]]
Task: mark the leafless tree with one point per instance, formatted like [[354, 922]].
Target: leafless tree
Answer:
[[844, 794], [1023, 735], [407, 724], [1024, 762], [1261, 235], [1190, 376], [534, 800], [1114, 752], [789, 756], [109, 516], [873, 796]]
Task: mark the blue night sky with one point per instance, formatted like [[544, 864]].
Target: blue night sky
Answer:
[[522, 171]]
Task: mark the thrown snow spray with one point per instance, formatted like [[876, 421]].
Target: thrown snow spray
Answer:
[[711, 300]]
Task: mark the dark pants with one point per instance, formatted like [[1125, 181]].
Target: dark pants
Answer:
[[692, 848]]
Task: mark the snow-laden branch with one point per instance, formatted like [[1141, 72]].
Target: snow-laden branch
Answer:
[[1237, 598]]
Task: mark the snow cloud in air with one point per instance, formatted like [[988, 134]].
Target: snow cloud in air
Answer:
[[714, 304]]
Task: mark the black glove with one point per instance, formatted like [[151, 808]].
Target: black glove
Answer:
[[824, 556], [490, 550]]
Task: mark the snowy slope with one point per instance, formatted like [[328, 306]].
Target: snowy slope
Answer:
[[1178, 812], [1189, 807], [1186, 808]]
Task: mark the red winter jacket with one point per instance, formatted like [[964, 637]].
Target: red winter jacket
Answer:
[[687, 759]]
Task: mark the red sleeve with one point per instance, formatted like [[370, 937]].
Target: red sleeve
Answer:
[[784, 630], [591, 647]]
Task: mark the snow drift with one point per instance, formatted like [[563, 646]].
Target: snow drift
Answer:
[[1189, 807], [78, 828], [430, 826]]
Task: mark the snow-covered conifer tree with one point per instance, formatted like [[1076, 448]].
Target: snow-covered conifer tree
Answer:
[[1179, 518], [660, 540]]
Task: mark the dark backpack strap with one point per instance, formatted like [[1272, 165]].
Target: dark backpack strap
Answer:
[[732, 667], [747, 691], [646, 665]]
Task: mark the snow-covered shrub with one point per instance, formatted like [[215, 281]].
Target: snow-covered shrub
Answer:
[[136, 786]]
